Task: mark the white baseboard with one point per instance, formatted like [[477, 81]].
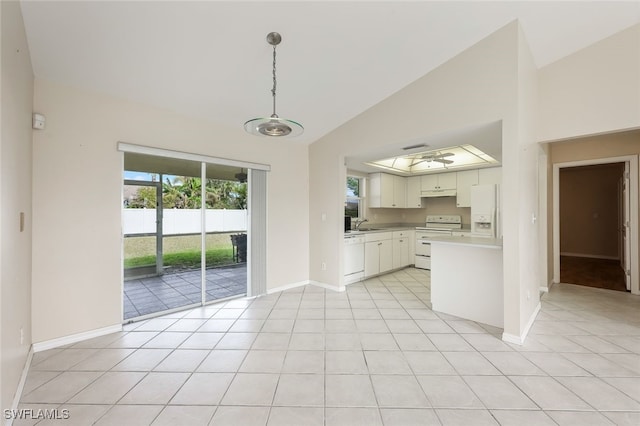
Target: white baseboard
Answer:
[[20, 388], [590, 256], [288, 286], [74, 338], [548, 287], [328, 286], [519, 340]]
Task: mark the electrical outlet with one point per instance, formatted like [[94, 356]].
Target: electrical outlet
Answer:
[[323, 266], [21, 336]]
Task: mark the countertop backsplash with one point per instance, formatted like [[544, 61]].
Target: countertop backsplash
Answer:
[[417, 217]]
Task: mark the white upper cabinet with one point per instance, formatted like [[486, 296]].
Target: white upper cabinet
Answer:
[[465, 180], [490, 176], [387, 190], [439, 182], [429, 183], [414, 187], [399, 192]]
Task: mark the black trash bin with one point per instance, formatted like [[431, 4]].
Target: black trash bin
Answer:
[[239, 242]]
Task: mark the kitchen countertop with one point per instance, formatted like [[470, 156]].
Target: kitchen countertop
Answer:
[[480, 242]]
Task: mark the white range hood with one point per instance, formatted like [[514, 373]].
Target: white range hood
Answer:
[[439, 193]]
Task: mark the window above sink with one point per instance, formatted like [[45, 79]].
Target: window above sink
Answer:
[[354, 196]]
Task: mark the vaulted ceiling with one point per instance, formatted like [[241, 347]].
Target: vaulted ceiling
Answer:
[[209, 59]]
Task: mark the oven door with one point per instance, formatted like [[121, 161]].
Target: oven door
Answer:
[[423, 252], [423, 247], [423, 262]]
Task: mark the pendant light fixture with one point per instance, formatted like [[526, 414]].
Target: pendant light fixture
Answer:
[[274, 125]]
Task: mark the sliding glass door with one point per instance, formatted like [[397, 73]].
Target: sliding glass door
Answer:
[[226, 234], [185, 234]]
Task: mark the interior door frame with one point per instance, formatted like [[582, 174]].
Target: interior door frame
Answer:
[[632, 160], [626, 233]]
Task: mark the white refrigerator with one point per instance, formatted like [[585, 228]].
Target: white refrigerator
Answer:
[[485, 211]]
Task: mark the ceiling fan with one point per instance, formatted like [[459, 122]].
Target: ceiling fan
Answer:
[[437, 157], [242, 176]]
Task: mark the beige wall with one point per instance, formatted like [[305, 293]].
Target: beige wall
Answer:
[[15, 180], [590, 148], [77, 257], [593, 91], [589, 210], [480, 85]]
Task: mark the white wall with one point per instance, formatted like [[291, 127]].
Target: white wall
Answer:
[[15, 181], [480, 85], [77, 257], [594, 90], [529, 275]]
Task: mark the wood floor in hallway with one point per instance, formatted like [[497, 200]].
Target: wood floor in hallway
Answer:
[[599, 273]]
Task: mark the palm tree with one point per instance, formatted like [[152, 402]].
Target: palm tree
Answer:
[[185, 192]]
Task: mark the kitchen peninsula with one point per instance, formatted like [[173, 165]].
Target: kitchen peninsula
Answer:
[[466, 278]]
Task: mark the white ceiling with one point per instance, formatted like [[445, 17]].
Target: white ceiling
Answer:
[[210, 59]]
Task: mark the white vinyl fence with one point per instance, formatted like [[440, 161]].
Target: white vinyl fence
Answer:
[[183, 221]]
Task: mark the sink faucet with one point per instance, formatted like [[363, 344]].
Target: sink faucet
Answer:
[[360, 223]]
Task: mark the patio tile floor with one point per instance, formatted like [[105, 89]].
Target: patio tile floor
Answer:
[[157, 294]]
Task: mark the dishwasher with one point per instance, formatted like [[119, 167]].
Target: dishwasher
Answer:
[[353, 258]]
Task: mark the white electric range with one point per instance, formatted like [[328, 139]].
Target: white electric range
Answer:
[[435, 225]]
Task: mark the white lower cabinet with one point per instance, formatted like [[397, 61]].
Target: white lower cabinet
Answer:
[[412, 247], [401, 244], [378, 253], [400, 252], [377, 257], [385, 251]]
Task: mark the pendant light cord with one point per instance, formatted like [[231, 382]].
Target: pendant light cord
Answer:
[[273, 91]]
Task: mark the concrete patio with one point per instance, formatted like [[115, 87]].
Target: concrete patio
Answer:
[[149, 295]]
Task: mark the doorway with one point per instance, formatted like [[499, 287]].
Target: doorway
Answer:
[[185, 231], [591, 247], [595, 234]]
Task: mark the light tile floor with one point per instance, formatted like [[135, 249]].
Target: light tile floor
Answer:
[[143, 296], [373, 355]]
